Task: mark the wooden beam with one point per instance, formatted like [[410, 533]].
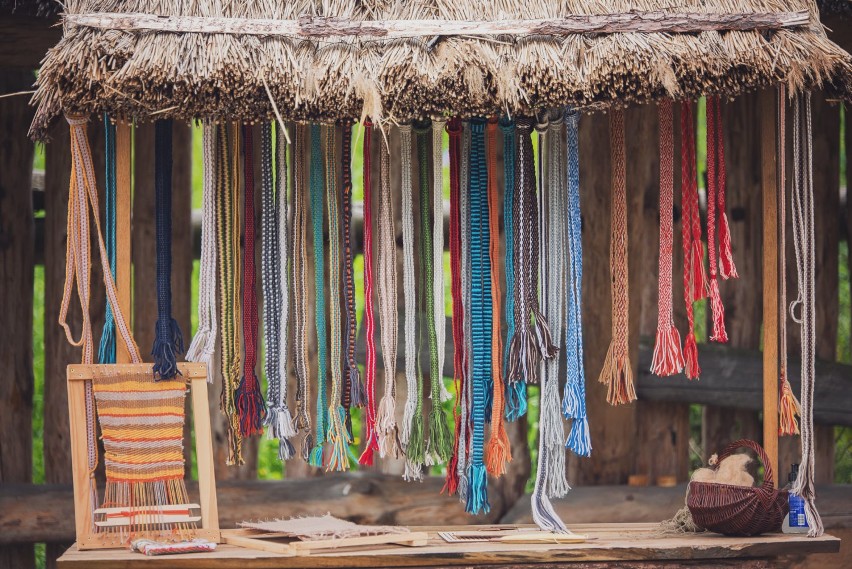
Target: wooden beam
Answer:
[[123, 267], [16, 295], [318, 27]]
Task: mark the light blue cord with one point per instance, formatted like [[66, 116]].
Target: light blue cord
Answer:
[[106, 350]]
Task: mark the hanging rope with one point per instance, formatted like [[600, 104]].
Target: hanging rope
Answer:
[[300, 268], [338, 435], [353, 388], [203, 345], [802, 203], [574, 397], [715, 185], [386, 427], [693, 252], [668, 356], [317, 185], [454, 128], [497, 451], [250, 404], [372, 443], [553, 204], [228, 233], [106, 349], [516, 391], [788, 406], [409, 291], [726, 257], [82, 195], [168, 341], [440, 316], [481, 316], [617, 372]]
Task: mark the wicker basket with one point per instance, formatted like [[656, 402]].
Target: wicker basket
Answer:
[[739, 510]]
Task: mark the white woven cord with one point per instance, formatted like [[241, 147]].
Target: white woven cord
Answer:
[[438, 247]]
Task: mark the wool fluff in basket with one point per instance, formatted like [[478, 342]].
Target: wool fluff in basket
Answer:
[[732, 470], [142, 429]]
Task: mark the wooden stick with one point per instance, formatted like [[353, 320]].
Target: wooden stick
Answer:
[[189, 370], [769, 186], [123, 176], [313, 26]]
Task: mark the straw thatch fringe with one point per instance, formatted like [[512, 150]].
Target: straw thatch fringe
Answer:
[[147, 75]]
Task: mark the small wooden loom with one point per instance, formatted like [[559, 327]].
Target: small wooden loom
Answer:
[[161, 516]]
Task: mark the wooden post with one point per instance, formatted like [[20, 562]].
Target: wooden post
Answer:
[[17, 261], [769, 186], [123, 268]]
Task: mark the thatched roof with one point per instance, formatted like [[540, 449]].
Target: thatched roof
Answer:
[[142, 73]]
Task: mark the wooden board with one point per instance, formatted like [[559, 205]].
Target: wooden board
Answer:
[[265, 541], [615, 544]]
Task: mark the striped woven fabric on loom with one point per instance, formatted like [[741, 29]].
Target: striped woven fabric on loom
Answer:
[[142, 428]]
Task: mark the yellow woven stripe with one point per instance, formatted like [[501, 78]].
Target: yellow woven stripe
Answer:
[[138, 386], [151, 459], [120, 476], [118, 409]]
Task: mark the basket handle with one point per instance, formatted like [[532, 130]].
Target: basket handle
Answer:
[[768, 475]]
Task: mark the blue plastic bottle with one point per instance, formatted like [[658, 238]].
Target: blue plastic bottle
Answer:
[[796, 521]]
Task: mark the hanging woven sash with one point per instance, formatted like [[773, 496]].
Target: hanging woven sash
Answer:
[[438, 292], [574, 397], [372, 443], [353, 388], [250, 404], [617, 372], [409, 291], [83, 194], [481, 317], [203, 345], [275, 264], [668, 355], [338, 435], [788, 406], [464, 208], [300, 291], [106, 349], [228, 224], [454, 129], [386, 428], [497, 451], [317, 185], [802, 206], [516, 391], [715, 188], [532, 335], [168, 341], [439, 445], [693, 253]]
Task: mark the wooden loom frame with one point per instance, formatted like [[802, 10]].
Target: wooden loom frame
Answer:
[[78, 374]]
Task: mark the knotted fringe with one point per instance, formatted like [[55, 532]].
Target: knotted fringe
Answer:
[[415, 452], [579, 439], [668, 356], [690, 357], [282, 427], [618, 376], [477, 492], [719, 333], [250, 406], [338, 439], [168, 341], [516, 400], [386, 428], [726, 257]]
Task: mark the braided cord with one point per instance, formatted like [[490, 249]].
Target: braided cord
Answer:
[[372, 443], [719, 334], [106, 349], [410, 296], [168, 341], [270, 260], [693, 252], [317, 185]]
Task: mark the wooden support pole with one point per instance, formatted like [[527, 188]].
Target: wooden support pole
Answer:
[[769, 186], [123, 176]]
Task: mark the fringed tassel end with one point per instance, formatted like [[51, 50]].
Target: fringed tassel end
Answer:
[[516, 400], [545, 340], [544, 516], [250, 407], [440, 439], [690, 357], [281, 426], [477, 495], [286, 450], [814, 520], [372, 445], [728, 269], [201, 350], [451, 483], [557, 483], [338, 438], [718, 310], [668, 355], [357, 392], [386, 427], [616, 374], [167, 345], [498, 453], [106, 349], [698, 280], [523, 358], [571, 400], [789, 409], [307, 446], [579, 439], [315, 457], [415, 452]]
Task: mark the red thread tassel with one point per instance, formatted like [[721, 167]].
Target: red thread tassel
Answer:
[[690, 357], [728, 269], [718, 309], [698, 278], [668, 356], [788, 409]]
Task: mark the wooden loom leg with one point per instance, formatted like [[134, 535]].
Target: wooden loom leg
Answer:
[[82, 496], [204, 457], [123, 143], [769, 186]]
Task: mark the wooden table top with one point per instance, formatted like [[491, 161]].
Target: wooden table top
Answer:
[[608, 543]]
